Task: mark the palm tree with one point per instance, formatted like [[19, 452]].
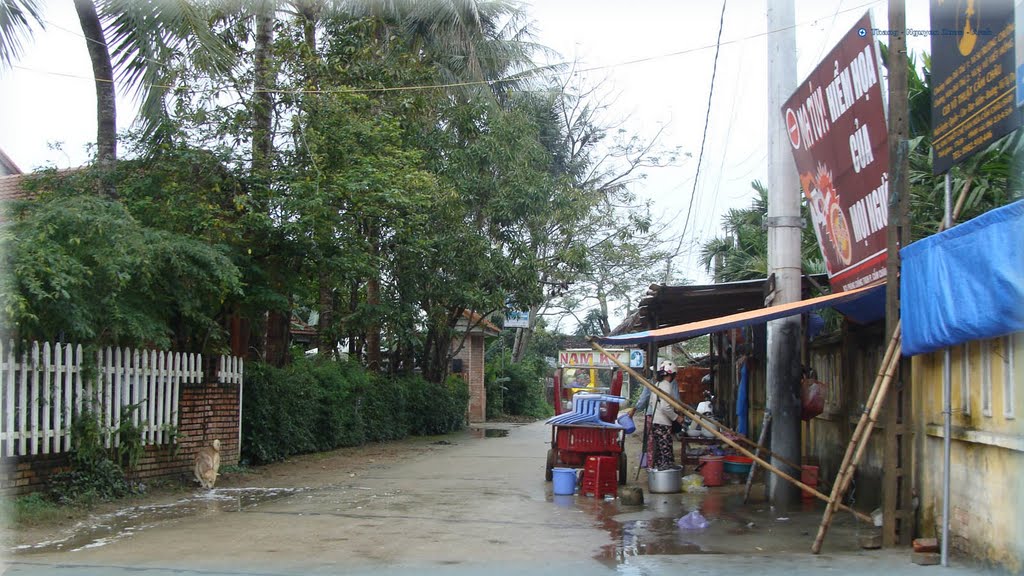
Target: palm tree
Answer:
[[103, 74], [474, 44], [16, 18], [139, 40], [743, 253]]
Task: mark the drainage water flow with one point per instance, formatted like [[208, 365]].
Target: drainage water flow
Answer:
[[101, 530]]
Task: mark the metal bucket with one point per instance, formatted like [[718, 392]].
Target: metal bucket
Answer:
[[667, 481]]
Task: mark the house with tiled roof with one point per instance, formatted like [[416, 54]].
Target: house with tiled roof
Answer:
[[468, 349], [7, 166], [10, 179]]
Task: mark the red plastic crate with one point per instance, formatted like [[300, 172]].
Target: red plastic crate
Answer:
[[589, 439], [600, 476]]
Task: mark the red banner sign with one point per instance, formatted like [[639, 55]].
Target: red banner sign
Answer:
[[835, 122]]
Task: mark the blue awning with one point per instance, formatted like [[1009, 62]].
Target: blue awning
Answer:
[[964, 284]]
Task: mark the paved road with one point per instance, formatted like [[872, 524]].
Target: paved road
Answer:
[[478, 504]]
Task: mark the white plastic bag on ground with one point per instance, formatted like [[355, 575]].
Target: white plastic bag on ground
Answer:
[[693, 521], [694, 483]]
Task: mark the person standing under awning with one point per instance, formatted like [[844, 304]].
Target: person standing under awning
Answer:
[[644, 404], [663, 417]]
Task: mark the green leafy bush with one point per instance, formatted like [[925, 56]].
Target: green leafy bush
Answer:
[[90, 482], [33, 509], [93, 476], [517, 389], [436, 408], [318, 404]]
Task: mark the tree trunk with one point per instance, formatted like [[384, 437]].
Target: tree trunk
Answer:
[[103, 71], [373, 328], [373, 352], [268, 334], [325, 340], [353, 302], [262, 99], [523, 341], [602, 300], [276, 349]]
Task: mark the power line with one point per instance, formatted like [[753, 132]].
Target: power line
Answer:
[[710, 223], [727, 42], [707, 120], [830, 29], [552, 70]]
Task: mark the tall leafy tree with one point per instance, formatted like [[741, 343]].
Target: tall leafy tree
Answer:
[[139, 41], [82, 268], [595, 226]]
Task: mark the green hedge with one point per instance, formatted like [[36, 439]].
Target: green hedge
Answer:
[[517, 389], [316, 405]]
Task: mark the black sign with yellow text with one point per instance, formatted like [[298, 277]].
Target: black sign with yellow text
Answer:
[[973, 78]]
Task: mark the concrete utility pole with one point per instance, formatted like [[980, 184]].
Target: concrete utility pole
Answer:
[[783, 386], [897, 512]]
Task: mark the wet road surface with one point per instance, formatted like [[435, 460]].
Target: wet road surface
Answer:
[[471, 503]]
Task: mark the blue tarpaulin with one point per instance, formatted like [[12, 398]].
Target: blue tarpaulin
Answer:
[[742, 401], [964, 284]]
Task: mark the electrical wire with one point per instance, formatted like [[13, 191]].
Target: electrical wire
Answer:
[[710, 223], [552, 72], [831, 27], [707, 120]]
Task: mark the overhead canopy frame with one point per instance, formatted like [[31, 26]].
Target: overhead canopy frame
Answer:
[[683, 331]]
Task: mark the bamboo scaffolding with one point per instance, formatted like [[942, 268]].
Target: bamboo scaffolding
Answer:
[[760, 440], [712, 427], [868, 419], [887, 368]]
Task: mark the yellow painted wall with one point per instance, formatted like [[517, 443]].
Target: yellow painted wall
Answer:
[[987, 454]]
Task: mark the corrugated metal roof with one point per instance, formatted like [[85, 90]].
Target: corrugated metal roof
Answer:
[[674, 305], [681, 332]]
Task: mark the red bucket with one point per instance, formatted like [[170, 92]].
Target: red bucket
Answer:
[[809, 476], [711, 468]]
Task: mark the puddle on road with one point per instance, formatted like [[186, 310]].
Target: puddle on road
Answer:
[[104, 529], [656, 533], [489, 432], [643, 537], [651, 529]]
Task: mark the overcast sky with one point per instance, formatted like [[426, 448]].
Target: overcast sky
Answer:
[[48, 99]]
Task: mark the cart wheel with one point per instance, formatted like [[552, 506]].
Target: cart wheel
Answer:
[[622, 469], [550, 466]]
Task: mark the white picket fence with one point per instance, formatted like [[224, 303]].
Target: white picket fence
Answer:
[[43, 390]]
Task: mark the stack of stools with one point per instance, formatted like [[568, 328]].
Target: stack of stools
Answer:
[[601, 476]]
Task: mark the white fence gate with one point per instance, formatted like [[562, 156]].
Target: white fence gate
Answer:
[[43, 390]]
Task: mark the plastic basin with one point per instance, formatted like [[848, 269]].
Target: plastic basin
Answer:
[[737, 464]]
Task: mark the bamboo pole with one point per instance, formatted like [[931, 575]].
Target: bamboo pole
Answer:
[[678, 406], [753, 467], [842, 482], [838, 488], [759, 446], [857, 444], [756, 445]]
